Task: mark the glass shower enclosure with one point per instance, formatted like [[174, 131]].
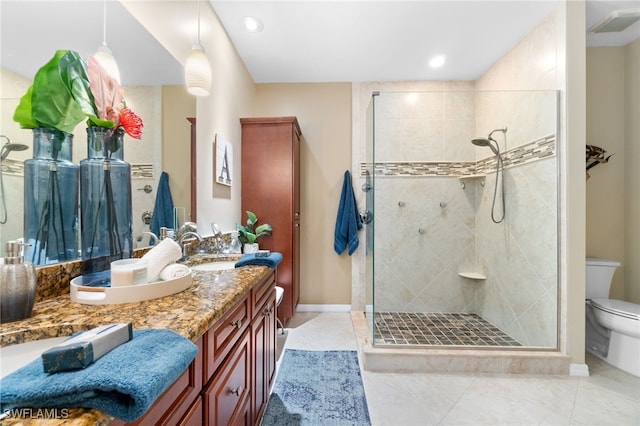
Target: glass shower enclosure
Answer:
[[439, 270]]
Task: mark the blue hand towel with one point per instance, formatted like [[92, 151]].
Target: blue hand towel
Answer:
[[163, 208], [124, 383], [250, 259], [348, 222]]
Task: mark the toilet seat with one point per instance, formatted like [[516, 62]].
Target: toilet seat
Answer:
[[620, 308]]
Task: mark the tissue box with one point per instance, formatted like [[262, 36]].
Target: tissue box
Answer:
[[83, 349]]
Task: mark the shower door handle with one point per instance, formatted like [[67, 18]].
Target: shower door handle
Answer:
[[366, 216]]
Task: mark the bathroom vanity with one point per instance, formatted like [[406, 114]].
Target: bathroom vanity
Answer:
[[229, 314]]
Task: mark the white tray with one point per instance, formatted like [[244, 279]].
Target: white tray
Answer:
[[90, 295]]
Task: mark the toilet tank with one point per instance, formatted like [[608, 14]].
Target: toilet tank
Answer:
[[599, 273]]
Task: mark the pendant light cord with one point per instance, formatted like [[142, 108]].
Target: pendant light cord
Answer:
[[199, 22], [104, 22]]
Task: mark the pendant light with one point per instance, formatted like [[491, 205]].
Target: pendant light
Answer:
[[103, 55], [197, 71]]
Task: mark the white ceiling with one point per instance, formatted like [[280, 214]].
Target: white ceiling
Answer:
[[302, 41]]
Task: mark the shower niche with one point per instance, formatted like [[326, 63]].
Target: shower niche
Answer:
[[482, 273]]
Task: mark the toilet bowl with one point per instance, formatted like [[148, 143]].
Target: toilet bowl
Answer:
[[612, 326]]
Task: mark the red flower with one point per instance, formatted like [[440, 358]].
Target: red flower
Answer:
[[131, 123]]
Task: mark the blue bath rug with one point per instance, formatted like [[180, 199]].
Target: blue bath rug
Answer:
[[317, 388]]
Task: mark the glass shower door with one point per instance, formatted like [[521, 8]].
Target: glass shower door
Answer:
[[369, 178]]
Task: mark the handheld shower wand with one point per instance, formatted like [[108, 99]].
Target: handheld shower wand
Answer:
[[493, 145], [8, 147], [4, 153]]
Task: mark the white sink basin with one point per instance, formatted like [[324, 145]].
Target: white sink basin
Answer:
[[17, 356], [215, 266]]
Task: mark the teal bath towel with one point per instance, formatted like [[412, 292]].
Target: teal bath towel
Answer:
[[348, 221], [124, 383], [163, 208], [271, 261]]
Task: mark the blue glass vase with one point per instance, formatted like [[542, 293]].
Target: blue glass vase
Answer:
[[51, 199], [105, 200]]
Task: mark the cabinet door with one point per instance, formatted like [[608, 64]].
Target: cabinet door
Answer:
[[194, 416], [264, 356], [227, 397]]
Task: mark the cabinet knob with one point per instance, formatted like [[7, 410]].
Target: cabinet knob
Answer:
[[237, 323], [237, 391], [267, 312]]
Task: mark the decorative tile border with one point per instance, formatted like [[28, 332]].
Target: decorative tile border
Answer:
[[141, 171], [16, 168], [536, 150]]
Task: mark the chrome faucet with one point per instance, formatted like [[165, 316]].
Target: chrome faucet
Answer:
[[185, 245], [219, 245], [153, 237]]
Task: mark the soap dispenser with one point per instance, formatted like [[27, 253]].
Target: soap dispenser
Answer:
[[17, 285]]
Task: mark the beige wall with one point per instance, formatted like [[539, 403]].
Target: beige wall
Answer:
[[231, 97], [632, 173], [613, 190], [177, 105], [324, 114], [605, 188]]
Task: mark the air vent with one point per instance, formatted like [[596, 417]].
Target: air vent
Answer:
[[618, 21]]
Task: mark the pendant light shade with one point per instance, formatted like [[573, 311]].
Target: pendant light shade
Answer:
[[103, 55], [197, 72]]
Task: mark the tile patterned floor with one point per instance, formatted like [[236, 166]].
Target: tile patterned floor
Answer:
[[607, 397], [451, 329]]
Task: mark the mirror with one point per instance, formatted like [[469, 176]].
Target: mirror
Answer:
[[145, 156], [153, 89]]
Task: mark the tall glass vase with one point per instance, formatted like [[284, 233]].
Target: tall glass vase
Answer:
[[105, 200], [51, 199]]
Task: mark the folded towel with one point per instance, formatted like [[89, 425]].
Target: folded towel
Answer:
[[348, 221], [250, 259], [123, 383], [161, 255], [175, 270], [163, 208]]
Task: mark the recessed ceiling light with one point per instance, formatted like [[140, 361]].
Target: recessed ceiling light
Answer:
[[251, 24], [437, 61]]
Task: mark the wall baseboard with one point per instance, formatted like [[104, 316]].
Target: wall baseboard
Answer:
[[323, 308], [579, 370]]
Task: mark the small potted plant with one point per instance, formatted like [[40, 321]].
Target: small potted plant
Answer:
[[249, 234]]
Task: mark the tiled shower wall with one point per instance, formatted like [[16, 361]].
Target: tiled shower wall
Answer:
[[430, 226]]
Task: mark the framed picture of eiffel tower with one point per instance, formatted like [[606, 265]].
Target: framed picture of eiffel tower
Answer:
[[223, 161]]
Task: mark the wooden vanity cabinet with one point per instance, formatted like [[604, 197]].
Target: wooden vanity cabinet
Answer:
[[179, 400], [271, 189], [229, 380]]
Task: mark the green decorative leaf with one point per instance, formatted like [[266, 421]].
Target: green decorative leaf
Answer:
[[60, 96], [52, 103], [22, 114], [251, 219]]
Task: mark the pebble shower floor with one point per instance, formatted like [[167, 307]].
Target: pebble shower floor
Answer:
[[459, 329]]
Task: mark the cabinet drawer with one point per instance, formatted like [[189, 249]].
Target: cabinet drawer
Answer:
[[174, 402], [226, 399], [262, 292], [219, 340]]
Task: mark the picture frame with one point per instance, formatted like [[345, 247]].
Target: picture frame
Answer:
[[222, 161]]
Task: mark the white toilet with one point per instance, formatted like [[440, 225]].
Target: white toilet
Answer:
[[613, 326]]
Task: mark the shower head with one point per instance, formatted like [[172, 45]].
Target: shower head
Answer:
[[487, 142], [8, 147]]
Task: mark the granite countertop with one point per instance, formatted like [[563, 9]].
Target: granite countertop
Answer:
[[189, 313]]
